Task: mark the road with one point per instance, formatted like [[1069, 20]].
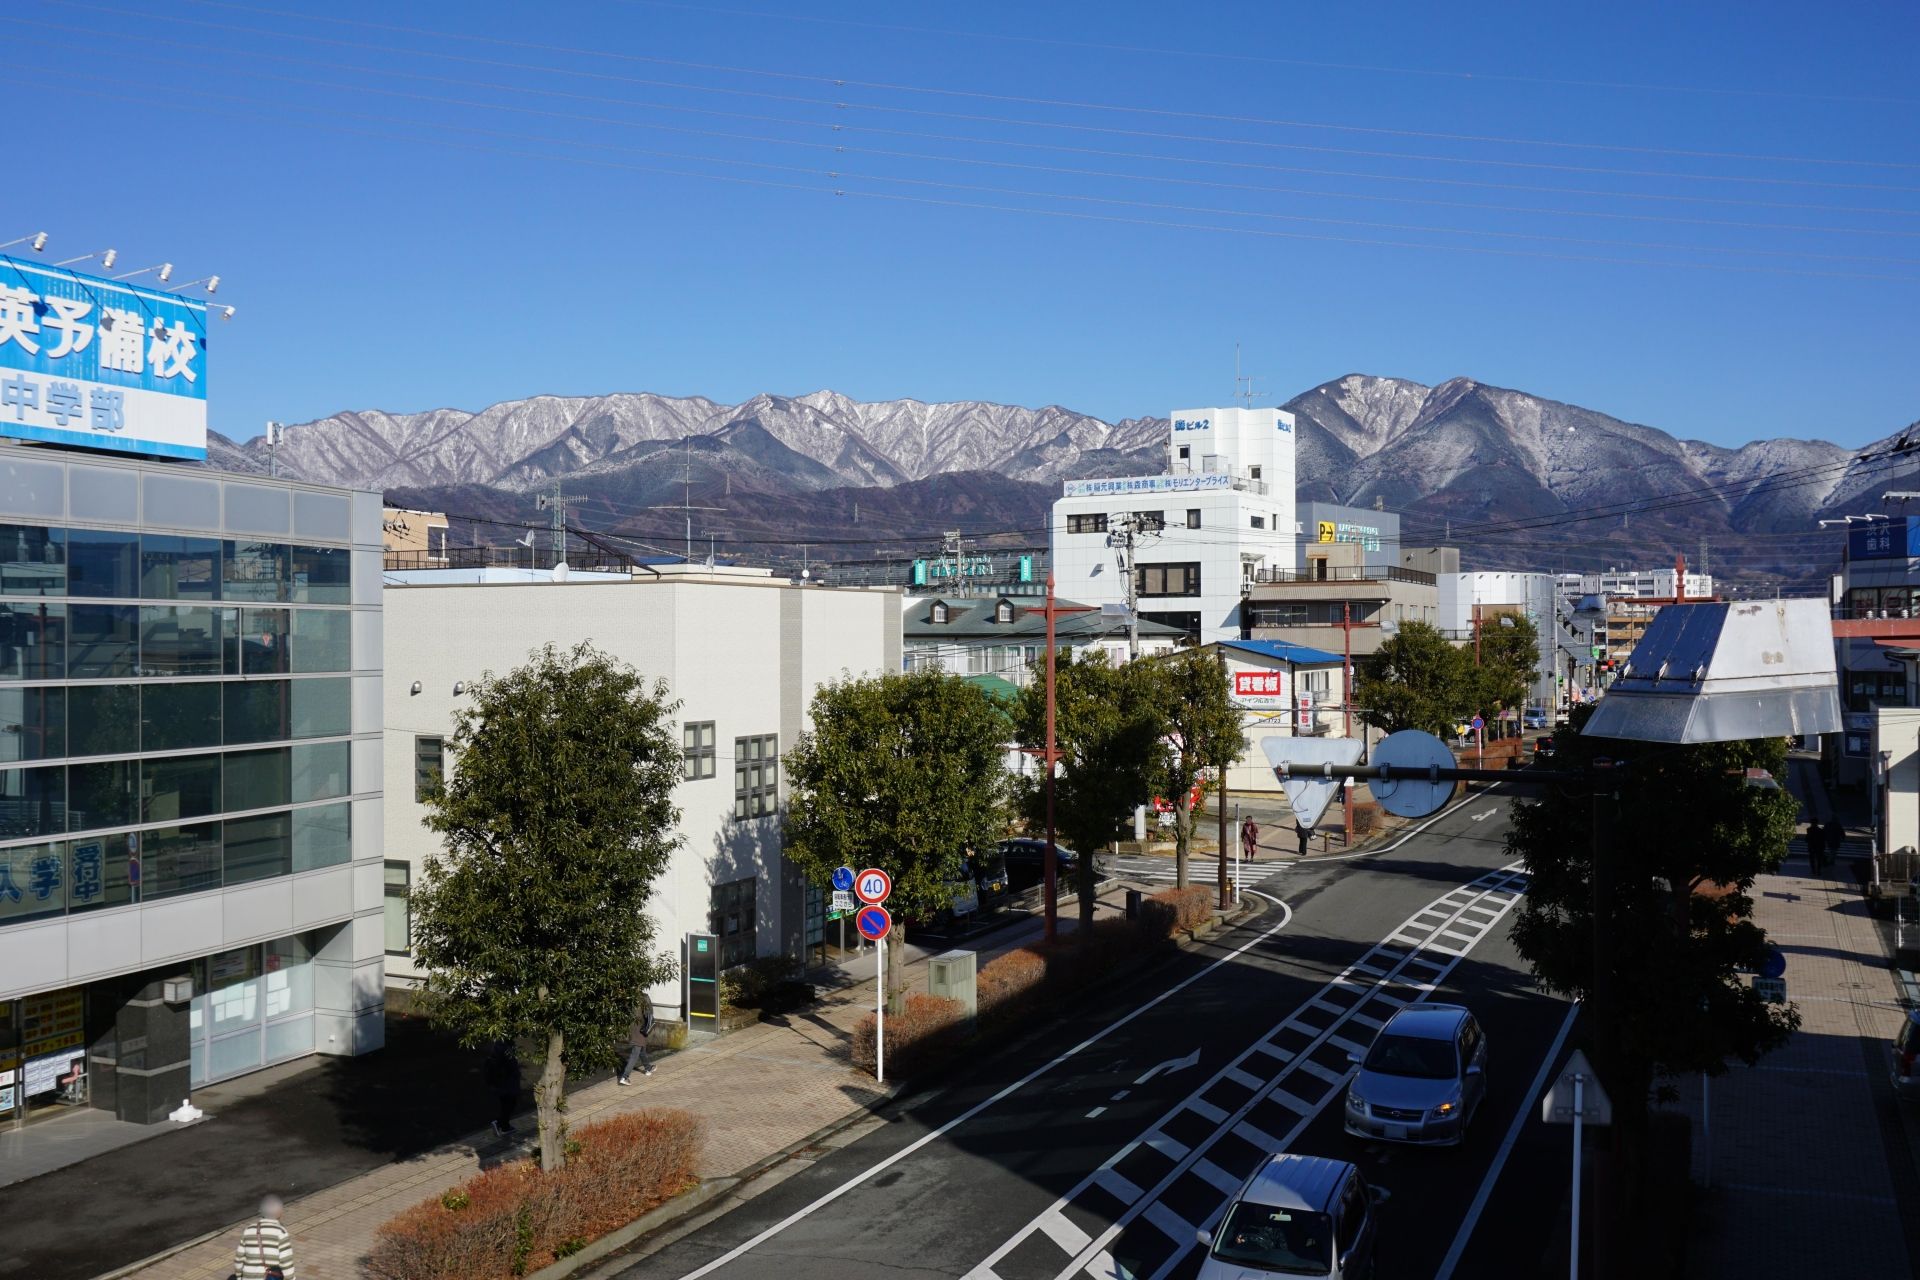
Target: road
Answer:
[[1100, 1145]]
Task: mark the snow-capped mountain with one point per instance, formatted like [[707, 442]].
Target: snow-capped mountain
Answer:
[[1461, 454]]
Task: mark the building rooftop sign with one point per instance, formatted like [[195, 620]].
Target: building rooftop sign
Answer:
[[92, 362], [1146, 484]]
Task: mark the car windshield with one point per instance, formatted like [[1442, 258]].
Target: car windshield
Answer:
[[1292, 1241], [1414, 1056]]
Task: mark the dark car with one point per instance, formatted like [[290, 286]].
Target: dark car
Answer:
[[990, 878], [1543, 748], [1026, 861]]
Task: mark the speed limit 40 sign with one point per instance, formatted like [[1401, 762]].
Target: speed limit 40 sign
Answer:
[[872, 886]]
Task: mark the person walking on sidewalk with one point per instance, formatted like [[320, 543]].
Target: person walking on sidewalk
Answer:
[[1250, 840], [1816, 846], [1303, 832], [502, 1073], [637, 1040], [1836, 836], [266, 1247]]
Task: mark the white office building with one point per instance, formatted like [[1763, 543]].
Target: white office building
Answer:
[[1489, 594], [1636, 584], [1220, 513], [742, 651]]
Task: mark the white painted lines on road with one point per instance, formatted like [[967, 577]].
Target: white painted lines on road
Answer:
[[880, 1166], [1262, 1119], [1484, 814], [1096, 1112], [1171, 1065]]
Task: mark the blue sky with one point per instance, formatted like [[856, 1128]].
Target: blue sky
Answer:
[[637, 196]]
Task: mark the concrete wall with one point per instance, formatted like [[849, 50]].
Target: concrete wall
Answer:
[[1896, 732], [744, 652]]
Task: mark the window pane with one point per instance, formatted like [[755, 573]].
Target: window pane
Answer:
[[429, 767], [33, 881], [33, 802], [320, 575], [104, 719], [258, 847], [106, 794], [289, 978], [234, 1054], [97, 871], [33, 641], [322, 837], [180, 860], [103, 563], [263, 642], [322, 708], [321, 640], [255, 710], [321, 770], [179, 640], [174, 568], [33, 724], [179, 787], [103, 641], [175, 717], [294, 1037], [257, 779], [254, 571], [33, 560]]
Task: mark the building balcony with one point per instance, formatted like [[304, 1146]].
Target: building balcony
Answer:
[[1343, 573]]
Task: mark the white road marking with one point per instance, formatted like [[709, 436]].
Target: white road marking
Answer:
[[808, 1210], [1064, 1233], [1095, 1112], [1170, 1066], [1506, 1149], [1484, 814]]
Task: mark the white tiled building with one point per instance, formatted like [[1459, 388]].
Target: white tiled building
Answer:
[[741, 650], [1221, 511]]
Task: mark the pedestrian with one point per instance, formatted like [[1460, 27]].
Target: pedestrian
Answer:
[[1250, 840], [502, 1072], [266, 1247], [1816, 845], [1303, 831], [637, 1040], [1836, 836]]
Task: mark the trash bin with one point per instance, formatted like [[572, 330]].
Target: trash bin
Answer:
[[1133, 904]]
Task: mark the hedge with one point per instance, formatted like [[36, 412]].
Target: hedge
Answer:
[[1020, 984], [514, 1219]]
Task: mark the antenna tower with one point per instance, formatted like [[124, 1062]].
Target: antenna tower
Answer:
[[555, 504], [686, 507]]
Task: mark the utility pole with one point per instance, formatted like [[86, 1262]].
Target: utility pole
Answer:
[[1347, 624], [953, 554], [1049, 755], [686, 507], [555, 504], [1225, 901], [1122, 530]]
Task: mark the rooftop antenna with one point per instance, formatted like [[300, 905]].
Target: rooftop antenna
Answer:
[[276, 435], [1242, 387], [556, 503], [686, 506]]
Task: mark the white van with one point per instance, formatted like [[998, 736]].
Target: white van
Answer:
[[1296, 1216]]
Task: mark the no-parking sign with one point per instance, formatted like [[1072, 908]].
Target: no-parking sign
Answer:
[[873, 922]]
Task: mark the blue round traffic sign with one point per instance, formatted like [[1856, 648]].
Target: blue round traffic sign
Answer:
[[1478, 723], [1776, 964], [843, 878], [873, 922]]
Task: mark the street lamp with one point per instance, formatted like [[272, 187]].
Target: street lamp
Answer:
[[165, 269], [107, 258], [37, 241]]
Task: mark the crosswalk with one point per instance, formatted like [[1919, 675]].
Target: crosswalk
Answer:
[[1144, 868], [1137, 1216]]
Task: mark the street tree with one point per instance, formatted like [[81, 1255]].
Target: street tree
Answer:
[[1107, 728], [1201, 735], [1505, 662], [903, 771], [1690, 834], [1415, 680], [558, 818]]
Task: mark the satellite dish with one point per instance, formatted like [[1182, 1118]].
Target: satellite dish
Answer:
[[1406, 791], [560, 572]]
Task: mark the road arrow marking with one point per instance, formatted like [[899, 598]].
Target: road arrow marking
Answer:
[[1484, 815], [1172, 1065]]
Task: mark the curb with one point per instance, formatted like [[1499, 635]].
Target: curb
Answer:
[[652, 1220]]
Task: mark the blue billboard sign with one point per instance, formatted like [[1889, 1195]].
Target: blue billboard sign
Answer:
[[1895, 539], [103, 365]]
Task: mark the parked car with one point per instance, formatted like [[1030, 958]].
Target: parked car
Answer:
[[1906, 1048], [1535, 718], [1423, 1080], [1299, 1216], [1025, 860], [989, 878]]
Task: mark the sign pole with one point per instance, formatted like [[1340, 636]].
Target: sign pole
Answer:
[[1579, 1113], [880, 1019]]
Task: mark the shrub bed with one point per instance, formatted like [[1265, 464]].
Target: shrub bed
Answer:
[[514, 1219], [1024, 983], [1366, 817], [771, 984]]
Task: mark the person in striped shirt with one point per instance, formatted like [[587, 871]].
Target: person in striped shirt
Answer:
[[266, 1248]]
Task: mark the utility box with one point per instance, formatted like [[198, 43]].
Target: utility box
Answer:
[[952, 975]]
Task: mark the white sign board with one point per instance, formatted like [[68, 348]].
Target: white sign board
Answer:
[[1145, 484], [1307, 793], [1556, 1106]]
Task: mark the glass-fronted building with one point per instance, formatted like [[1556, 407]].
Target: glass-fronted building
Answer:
[[190, 808]]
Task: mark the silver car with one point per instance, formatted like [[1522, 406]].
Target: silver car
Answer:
[[1297, 1216], [1423, 1080]]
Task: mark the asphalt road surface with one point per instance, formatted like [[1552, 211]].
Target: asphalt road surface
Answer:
[[1101, 1145]]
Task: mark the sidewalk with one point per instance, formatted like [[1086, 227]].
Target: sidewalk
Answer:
[[725, 1080], [1811, 1157]]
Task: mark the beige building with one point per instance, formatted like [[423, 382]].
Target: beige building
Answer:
[[1335, 593], [413, 539]]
